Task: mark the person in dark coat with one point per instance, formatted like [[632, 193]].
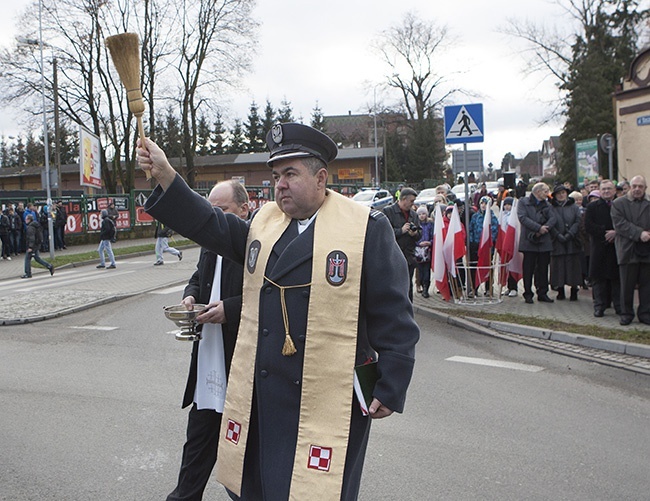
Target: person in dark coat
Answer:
[[603, 267], [33, 241], [406, 226], [204, 419], [631, 218], [384, 327], [565, 256], [537, 218], [59, 226]]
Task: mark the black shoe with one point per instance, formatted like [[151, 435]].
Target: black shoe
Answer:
[[112, 267], [100, 266], [625, 320], [529, 300], [560, 294], [574, 294], [26, 276], [544, 299], [599, 313], [180, 255], [425, 293], [158, 263], [51, 270]]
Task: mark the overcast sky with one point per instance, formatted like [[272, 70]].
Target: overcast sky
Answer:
[[320, 51]]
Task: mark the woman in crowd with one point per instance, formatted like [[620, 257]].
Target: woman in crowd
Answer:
[[566, 268], [423, 250]]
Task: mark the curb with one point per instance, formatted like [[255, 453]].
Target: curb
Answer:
[[539, 338]]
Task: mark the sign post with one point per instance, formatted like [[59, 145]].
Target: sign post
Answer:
[[464, 124]]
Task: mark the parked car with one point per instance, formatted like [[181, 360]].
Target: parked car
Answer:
[[459, 190], [426, 197], [376, 199], [492, 187]]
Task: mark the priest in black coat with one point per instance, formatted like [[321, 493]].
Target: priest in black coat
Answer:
[[385, 327]]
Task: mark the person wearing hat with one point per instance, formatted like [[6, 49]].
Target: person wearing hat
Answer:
[[537, 218], [565, 257], [423, 249], [318, 300]]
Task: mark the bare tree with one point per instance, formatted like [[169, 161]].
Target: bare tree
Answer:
[[409, 50], [216, 44]]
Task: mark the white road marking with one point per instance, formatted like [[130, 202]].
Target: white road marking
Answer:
[[170, 290], [496, 363], [74, 281], [94, 327]]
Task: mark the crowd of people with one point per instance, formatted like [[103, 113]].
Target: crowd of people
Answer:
[[595, 236], [13, 227], [24, 229]]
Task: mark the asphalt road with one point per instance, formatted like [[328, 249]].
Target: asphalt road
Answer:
[[91, 410]]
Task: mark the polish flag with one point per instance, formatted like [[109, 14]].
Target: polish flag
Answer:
[[503, 226], [501, 236], [511, 254], [454, 246], [484, 246], [437, 257]]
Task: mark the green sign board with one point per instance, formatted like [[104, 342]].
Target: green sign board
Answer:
[[586, 160]]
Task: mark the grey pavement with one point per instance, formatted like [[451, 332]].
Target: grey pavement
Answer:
[[135, 274]]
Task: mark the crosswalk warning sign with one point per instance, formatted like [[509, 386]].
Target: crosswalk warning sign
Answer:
[[464, 123]]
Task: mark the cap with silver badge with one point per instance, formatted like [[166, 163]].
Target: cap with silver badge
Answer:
[[293, 140]]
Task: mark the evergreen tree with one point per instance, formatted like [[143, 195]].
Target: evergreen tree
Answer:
[[269, 118], [253, 132], [4, 153], [17, 153], [317, 118], [218, 132], [425, 152], [601, 56], [236, 144], [395, 157], [285, 113], [69, 141], [169, 134], [203, 134], [34, 151]]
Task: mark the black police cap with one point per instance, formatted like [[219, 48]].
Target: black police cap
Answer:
[[292, 140]]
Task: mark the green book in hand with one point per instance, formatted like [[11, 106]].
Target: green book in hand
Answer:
[[365, 377]]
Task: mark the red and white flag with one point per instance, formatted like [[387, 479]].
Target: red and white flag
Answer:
[[484, 248], [511, 254], [437, 257], [454, 245]]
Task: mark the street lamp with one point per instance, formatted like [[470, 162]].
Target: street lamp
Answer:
[[48, 189], [374, 115]]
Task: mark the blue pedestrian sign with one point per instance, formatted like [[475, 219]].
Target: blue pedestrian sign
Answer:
[[464, 123]]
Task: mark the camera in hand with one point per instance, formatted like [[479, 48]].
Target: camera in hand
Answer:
[[413, 227]]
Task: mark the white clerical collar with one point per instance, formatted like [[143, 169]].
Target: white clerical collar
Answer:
[[303, 224]]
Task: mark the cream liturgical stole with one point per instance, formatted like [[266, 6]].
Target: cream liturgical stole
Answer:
[[330, 348]]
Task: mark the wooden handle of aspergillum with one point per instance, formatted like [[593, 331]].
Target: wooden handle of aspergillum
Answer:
[[142, 136]]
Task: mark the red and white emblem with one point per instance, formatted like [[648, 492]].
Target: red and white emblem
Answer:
[[233, 431], [320, 458]]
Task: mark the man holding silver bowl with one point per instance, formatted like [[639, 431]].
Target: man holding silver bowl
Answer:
[[217, 284]]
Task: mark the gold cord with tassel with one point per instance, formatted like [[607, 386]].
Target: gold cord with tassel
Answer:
[[288, 348]]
